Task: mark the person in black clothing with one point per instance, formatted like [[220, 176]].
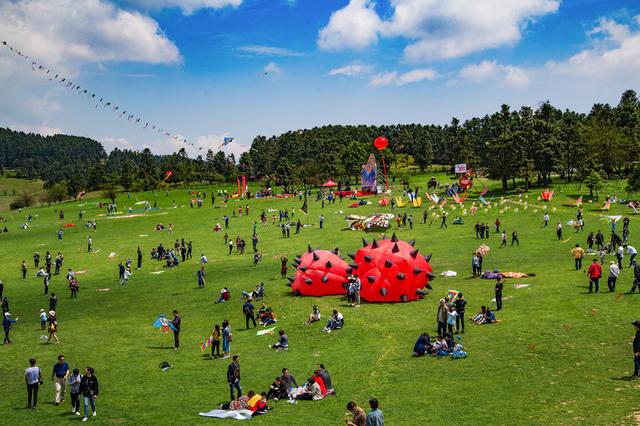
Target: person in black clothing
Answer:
[[189, 250], [36, 260], [514, 238], [233, 376], [460, 306], [139, 258], [121, 269], [176, 332], [53, 302], [247, 309], [1, 289], [498, 290], [444, 220], [636, 350], [277, 390], [89, 390]]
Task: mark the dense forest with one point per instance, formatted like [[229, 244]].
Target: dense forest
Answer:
[[529, 144]]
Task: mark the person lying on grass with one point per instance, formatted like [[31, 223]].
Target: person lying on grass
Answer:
[[242, 403], [256, 294], [335, 322]]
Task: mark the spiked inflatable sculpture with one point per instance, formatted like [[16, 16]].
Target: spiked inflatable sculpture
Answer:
[[319, 273], [391, 271]]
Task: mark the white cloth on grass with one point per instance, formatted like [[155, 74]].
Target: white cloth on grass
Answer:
[[228, 414]]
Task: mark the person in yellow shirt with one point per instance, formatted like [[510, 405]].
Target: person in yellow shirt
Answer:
[[578, 254]]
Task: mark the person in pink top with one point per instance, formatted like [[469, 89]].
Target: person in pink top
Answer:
[[594, 272]]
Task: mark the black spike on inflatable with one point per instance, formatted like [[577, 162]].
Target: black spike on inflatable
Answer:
[[325, 279], [315, 257], [298, 259], [353, 266], [394, 238], [412, 243], [374, 244], [291, 279], [328, 265], [309, 249], [365, 242], [303, 268], [352, 256], [368, 259], [400, 276], [308, 281], [349, 271], [417, 271], [371, 279], [414, 253], [383, 291], [388, 263], [428, 286], [395, 248], [404, 298], [428, 257], [289, 284], [431, 276]]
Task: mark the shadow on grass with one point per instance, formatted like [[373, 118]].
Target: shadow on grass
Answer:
[[625, 378], [160, 347]]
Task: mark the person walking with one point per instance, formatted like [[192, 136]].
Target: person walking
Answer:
[[125, 277], [620, 256], [498, 292], [636, 350], [375, 416], [90, 390], [444, 220], [59, 377], [89, 244], [7, 323], [233, 377], [594, 272], [247, 309], [503, 239], [614, 272], [514, 238], [53, 327], [578, 254], [45, 281], [631, 251], [177, 322], [33, 378], [74, 391], [546, 219], [321, 221], [558, 230], [201, 277]]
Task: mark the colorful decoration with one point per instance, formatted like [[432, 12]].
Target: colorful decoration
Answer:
[[205, 343], [319, 273], [391, 271], [163, 324], [381, 144], [373, 223], [453, 295], [369, 175], [547, 195]]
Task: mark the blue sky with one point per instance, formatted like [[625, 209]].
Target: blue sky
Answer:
[[209, 68]]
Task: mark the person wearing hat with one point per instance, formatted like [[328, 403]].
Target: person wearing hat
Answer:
[[636, 350], [594, 272], [6, 326], [614, 272]]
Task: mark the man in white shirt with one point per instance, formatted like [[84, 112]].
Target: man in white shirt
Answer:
[[614, 271], [125, 277], [620, 256], [632, 252]]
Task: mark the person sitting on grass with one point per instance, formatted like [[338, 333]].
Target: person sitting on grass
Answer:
[[256, 258], [335, 322], [480, 315], [314, 316], [283, 342], [311, 391], [322, 371], [260, 406], [224, 295], [277, 390], [422, 346], [487, 317], [269, 318], [440, 347]]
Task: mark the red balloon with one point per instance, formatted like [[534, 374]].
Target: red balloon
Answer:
[[381, 143]]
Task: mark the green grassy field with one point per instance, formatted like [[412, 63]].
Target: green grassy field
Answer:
[[559, 356], [10, 187]]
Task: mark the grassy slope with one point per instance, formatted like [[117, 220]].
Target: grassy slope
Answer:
[[558, 357], [10, 187]]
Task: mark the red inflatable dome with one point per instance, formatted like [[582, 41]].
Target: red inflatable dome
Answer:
[[391, 271], [319, 273]]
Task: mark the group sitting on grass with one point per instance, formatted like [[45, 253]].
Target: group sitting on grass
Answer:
[[266, 316], [485, 316], [442, 346]]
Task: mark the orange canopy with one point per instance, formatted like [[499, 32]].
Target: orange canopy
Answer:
[[329, 183]]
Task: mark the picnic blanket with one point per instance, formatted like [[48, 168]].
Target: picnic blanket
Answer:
[[228, 414]]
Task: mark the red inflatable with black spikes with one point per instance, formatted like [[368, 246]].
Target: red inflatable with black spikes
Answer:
[[319, 273], [391, 271]]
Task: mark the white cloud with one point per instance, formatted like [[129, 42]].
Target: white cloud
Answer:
[[397, 79], [508, 75], [613, 56], [272, 68], [110, 143], [213, 143], [351, 70], [260, 50], [68, 33], [434, 29], [353, 27], [187, 6]]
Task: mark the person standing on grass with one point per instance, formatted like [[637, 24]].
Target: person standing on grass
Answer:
[[233, 377], [375, 416], [514, 238], [36, 260], [23, 269], [636, 277], [359, 416], [546, 219], [7, 323], [215, 342], [559, 230], [321, 221], [89, 243], [247, 309], [59, 377], [230, 246], [599, 240], [498, 292], [614, 272], [632, 252], [594, 272], [636, 350], [460, 304], [125, 277], [452, 315], [177, 322], [43, 320], [139, 258], [201, 277], [620, 256], [497, 225], [90, 390], [74, 391], [578, 254], [444, 220], [424, 217], [283, 267], [226, 339], [503, 239], [441, 317], [53, 302], [33, 378]]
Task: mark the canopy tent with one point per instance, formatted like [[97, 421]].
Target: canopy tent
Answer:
[[329, 183]]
